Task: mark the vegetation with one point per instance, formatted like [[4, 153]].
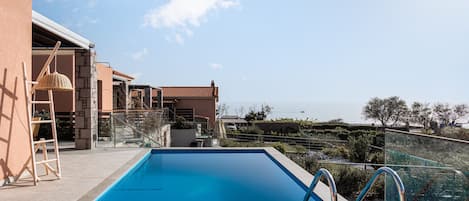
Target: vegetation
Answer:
[[388, 111], [447, 116], [261, 114], [421, 114], [337, 152], [456, 133], [253, 130], [281, 147], [392, 110], [308, 162], [232, 143], [181, 124], [336, 121], [359, 148], [351, 179]]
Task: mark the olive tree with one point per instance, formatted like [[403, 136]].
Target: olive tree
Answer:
[[443, 113], [447, 115], [459, 111], [258, 115], [421, 113], [388, 111]]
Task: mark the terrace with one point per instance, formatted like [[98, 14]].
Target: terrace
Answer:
[[132, 126], [106, 166], [78, 178]]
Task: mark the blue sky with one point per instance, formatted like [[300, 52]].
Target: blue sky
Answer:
[[334, 51]]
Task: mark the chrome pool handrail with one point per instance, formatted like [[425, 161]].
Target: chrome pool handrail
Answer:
[[314, 183], [397, 180]]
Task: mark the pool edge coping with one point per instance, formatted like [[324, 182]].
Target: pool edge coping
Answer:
[[321, 190], [96, 191]]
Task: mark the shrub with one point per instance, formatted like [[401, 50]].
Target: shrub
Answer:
[[311, 163], [282, 148], [181, 124], [377, 157], [308, 162], [335, 152], [351, 180], [456, 133], [359, 147], [300, 149], [253, 130], [232, 143]]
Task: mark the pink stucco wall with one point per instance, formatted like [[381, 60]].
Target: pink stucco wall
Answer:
[[205, 107], [15, 48], [105, 88]]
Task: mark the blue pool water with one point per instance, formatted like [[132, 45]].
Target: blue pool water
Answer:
[[187, 175]]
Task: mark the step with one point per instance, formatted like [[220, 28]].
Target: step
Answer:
[[41, 102], [42, 122], [46, 161], [44, 141]]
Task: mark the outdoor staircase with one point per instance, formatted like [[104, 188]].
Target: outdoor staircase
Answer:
[[128, 128], [187, 113]]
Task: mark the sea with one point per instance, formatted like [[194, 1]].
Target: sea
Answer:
[[350, 112]]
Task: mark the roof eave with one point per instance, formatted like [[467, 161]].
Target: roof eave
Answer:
[[60, 30], [121, 78]]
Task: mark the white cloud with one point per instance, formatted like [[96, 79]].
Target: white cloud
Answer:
[[179, 39], [182, 15], [139, 55], [216, 66]]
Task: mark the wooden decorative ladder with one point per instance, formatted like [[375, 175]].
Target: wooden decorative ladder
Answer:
[[34, 123]]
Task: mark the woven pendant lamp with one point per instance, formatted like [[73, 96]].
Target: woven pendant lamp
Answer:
[[55, 81]]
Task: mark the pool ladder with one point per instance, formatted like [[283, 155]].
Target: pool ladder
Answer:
[[330, 180], [333, 190]]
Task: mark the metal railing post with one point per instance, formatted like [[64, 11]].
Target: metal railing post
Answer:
[[397, 180], [113, 128], [314, 183]]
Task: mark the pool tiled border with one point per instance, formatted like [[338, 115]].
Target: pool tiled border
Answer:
[[322, 190]]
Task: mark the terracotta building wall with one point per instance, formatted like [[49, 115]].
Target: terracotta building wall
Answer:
[[104, 87], [203, 107], [64, 101], [15, 48]]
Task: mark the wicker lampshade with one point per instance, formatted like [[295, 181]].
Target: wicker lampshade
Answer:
[[55, 81]]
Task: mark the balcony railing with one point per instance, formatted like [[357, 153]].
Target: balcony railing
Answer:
[[133, 128], [431, 167]]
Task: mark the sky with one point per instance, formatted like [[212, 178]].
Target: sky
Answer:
[[327, 58]]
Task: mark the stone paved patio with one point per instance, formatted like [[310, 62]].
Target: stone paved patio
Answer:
[[82, 172]]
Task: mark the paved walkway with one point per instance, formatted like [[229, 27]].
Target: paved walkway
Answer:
[[82, 172]]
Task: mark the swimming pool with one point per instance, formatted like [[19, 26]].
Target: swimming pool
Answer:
[[207, 175]]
